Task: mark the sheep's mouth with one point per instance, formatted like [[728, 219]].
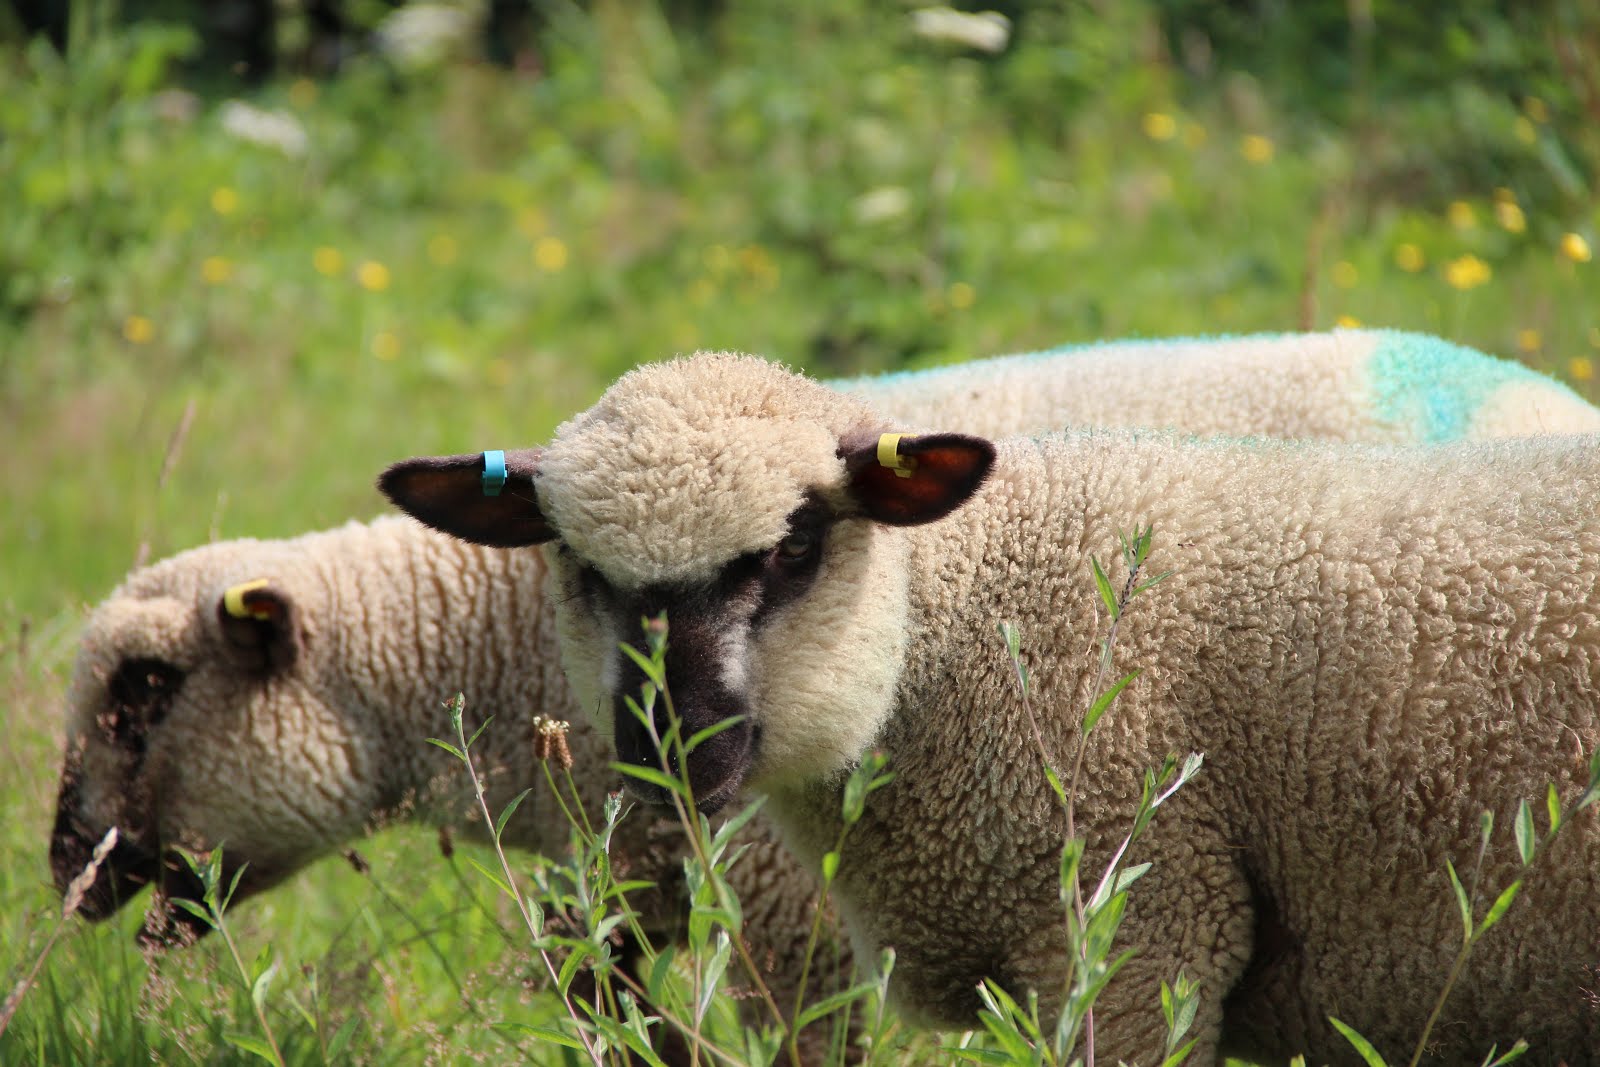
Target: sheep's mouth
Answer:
[[717, 768], [126, 869]]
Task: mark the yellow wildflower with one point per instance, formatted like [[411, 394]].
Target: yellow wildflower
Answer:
[[1344, 274], [962, 296], [224, 201], [1581, 368], [1461, 215], [1467, 272], [1529, 341], [1347, 322], [1256, 148], [1409, 258], [302, 93], [373, 276], [531, 222], [385, 345], [215, 270], [1575, 248], [1510, 216], [442, 249], [327, 260], [1159, 126], [138, 330], [550, 253]]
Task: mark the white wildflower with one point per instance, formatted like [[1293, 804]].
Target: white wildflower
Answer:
[[271, 129], [882, 204], [986, 31], [421, 35]]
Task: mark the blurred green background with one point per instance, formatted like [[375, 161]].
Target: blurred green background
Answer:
[[238, 278]]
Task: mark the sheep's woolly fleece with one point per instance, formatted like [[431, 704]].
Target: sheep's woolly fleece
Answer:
[[1371, 646], [179, 734], [1379, 386]]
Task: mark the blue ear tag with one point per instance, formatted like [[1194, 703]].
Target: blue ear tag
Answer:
[[494, 472]]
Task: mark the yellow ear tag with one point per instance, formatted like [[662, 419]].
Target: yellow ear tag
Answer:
[[889, 456], [233, 600]]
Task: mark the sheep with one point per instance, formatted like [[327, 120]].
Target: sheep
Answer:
[[273, 697], [1371, 646], [1362, 385], [1379, 386]]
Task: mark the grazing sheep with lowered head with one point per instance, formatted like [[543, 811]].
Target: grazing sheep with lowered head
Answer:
[[1370, 645]]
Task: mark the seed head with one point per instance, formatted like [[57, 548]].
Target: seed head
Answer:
[[550, 741], [85, 878]]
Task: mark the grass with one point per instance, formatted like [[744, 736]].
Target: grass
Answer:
[[463, 256]]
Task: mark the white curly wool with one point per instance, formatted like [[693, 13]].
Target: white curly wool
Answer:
[[1371, 646], [1378, 386]]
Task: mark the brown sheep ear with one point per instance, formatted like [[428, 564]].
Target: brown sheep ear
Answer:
[[483, 497], [910, 479], [259, 625]]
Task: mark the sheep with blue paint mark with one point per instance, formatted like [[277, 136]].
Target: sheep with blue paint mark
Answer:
[[1371, 646]]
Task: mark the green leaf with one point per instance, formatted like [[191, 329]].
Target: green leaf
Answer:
[[653, 776], [654, 671], [1157, 580], [1501, 903], [1108, 596], [1179, 1055], [233, 885], [508, 811], [571, 965], [659, 970], [1513, 1053], [830, 1004], [246, 1043], [1054, 779], [196, 909], [1461, 898], [479, 732], [711, 979], [493, 876], [1359, 1043], [448, 747], [1524, 832], [830, 867], [1552, 804], [541, 1033], [1104, 700], [265, 971], [341, 1037], [711, 731]]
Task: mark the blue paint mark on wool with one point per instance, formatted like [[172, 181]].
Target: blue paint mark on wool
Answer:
[[1433, 386]]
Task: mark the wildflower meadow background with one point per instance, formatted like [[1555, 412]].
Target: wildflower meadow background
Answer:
[[234, 285]]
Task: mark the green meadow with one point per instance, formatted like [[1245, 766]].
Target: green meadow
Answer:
[[225, 307]]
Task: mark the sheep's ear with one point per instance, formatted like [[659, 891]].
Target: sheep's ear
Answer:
[[906, 479], [260, 625], [483, 497]]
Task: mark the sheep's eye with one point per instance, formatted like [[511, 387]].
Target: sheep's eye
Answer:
[[797, 546], [141, 693]]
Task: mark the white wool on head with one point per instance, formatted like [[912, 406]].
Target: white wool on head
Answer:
[[684, 465]]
